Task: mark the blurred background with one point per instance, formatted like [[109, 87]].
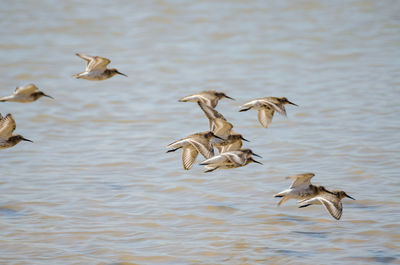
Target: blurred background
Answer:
[[96, 186]]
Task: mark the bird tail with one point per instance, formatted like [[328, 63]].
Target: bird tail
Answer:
[[246, 109], [285, 198], [77, 76], [210, 169]]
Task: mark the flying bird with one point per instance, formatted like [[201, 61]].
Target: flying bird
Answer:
[[7, 127], [96, 68], [192, 146], [232, 143], [218, 124], [266, 108], [209, 97], [222, 128], [308, 194], [25, 94], [231, 159]]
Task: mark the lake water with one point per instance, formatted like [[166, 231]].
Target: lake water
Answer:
[[96, 186]]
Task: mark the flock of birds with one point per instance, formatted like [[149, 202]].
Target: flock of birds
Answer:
[[231, 154], [220, 136]]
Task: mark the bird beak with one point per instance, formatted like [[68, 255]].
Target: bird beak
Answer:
[[229, 97], [256, 155], [24, 139], [48, 96], [244, 139], [292, 103], [121, 74], [350, 197], [255, 161]]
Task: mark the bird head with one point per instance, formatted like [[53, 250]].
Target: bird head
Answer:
[[341, 194], [40, 94], [250, 152], [115, 71], [286, 101], [222, 95], [18, 138]]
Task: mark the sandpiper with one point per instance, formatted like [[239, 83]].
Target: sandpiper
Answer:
[[266, 108], [218, 124], [231, 159], [232, 143], [192, 145], [25, 94], [7, 127], [222, 128], [209, 97], [96, 68], [308, 194]]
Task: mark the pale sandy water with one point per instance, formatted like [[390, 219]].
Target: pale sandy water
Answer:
[[97, 187]]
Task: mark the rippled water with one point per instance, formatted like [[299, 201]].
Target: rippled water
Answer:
[[96, 186]]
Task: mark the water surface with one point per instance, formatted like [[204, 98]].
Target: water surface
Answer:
[[96, 186]]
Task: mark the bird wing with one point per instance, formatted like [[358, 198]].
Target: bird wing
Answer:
[[203, 97], [334, 207], [210, 112], [250, 104], [216, 160], [189, 155], [265, 116], [25, 90], [236, 157], [221, 128], [194, 97], [85, 57], [234, 146], [273, 103], [209, 98], [301, 179], [203, 146], [331, 203], [7, 126], [178, 143], [99, 63]]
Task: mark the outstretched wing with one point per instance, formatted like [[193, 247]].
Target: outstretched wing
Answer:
[[216, 160], [265, 116], [236, 157], [189, 155], [274, 104], [196, 98], [203, 146], [94, 62], [301, 180], [7, 126], [210, 112], [334, 207], [221, 128], [332, 204], [99, 63], [85, 57], [26, 90], [250, 104]]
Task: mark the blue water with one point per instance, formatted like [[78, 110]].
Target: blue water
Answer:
[[96, 186]]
